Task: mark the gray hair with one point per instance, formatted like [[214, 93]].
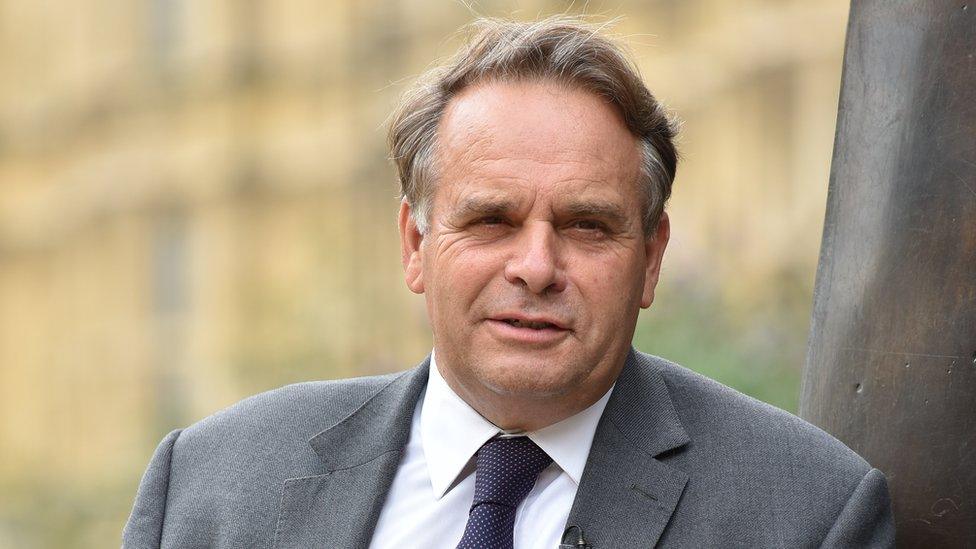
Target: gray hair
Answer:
[[560, 49]]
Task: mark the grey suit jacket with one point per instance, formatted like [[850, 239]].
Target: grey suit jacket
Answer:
[[678, 460]]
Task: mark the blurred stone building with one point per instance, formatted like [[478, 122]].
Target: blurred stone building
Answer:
[[195, 205]]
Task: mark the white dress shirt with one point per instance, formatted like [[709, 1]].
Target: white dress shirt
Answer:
[[431, 494]]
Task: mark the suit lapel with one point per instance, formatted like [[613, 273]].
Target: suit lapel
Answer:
[[360, 454], [626, 496]]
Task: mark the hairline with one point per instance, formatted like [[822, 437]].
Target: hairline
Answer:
[[421, 211]]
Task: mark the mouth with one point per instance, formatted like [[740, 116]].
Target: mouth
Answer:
[[530, 324], [531, 332], [520, 323]]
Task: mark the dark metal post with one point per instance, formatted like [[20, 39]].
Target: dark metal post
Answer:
[[891, 367]]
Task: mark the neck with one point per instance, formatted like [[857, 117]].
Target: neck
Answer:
[[525, 412]]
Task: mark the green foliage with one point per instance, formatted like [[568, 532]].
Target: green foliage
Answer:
[[757, 353], [47, 514]]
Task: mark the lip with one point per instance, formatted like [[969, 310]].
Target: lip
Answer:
[[527, 336], [522, 317]]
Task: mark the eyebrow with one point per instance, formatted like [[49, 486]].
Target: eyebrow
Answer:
[[599, 209], [485, 205]]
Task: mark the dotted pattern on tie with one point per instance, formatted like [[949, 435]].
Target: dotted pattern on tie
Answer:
[[507, 469]]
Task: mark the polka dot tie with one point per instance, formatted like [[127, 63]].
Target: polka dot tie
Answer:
[[507, 469]]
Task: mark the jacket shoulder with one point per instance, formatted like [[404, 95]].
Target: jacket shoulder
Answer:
[[751, 463], [293, 410], [717, 416], [226, 471]]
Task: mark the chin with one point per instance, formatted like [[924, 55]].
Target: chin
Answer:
[[519, 380]]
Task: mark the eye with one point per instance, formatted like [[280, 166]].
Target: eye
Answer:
[[589, 225], [490, 220], [489, 226]]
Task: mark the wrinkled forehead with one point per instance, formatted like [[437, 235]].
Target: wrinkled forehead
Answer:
[[543, 126]]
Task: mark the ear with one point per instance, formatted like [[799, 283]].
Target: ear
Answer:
[[653, 254], [410, 240]]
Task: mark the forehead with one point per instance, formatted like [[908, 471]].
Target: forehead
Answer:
[[548, 136]]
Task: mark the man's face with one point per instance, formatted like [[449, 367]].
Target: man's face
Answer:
[[535, 264]]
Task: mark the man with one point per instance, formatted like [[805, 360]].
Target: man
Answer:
[[534, 169]]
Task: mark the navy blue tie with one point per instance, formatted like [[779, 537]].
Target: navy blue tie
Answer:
[[507, 469]]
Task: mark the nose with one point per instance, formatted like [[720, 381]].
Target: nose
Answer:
[[535, 262]]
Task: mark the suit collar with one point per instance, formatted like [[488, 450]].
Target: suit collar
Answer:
[[642, 409], [627, 496], [625, 499], [380, 425], [360, 454]]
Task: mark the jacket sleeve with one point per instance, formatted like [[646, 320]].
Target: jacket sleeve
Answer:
[[866, 520], [145, 526]]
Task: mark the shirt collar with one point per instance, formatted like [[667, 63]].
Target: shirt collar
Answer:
[[451, 431]]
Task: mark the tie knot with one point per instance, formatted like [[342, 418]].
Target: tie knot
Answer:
[[507, 469]]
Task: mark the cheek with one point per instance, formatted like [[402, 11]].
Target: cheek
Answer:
[[460, 275], [610, 286], [617, 267]]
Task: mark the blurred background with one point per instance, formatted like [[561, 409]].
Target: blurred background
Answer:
[[196, 205]]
